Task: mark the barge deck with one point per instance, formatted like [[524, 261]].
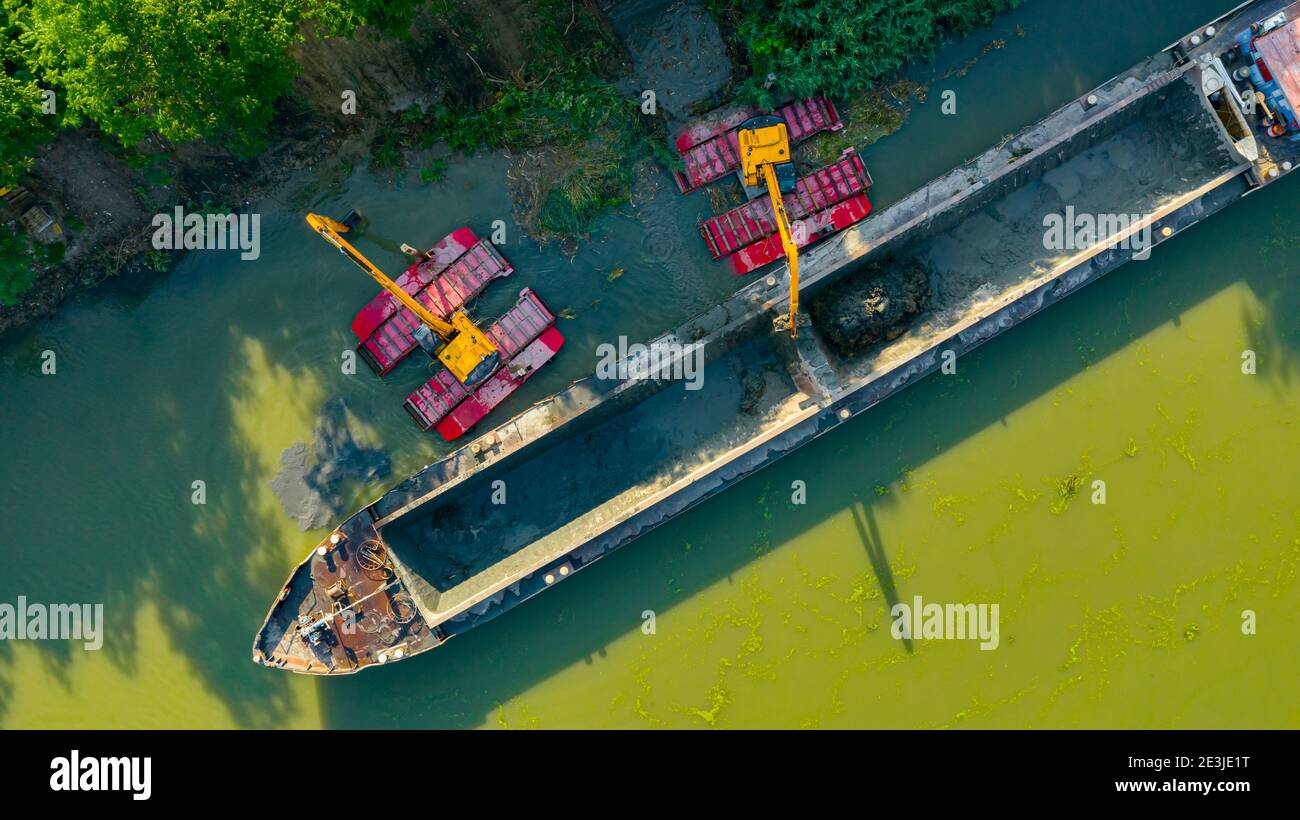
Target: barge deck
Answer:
[[451, 273]]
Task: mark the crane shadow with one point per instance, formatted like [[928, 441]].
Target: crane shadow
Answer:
[[864, 520]]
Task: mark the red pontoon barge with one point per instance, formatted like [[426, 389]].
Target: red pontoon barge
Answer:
[[710, 150], [828, 200], [451, 273], [527, 339]]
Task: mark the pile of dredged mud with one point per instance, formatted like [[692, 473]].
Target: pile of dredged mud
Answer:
[[873, 304]]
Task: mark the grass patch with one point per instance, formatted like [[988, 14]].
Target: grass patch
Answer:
[[386, 154], [561, 101], [17, 274], [431, 173], [875, 113], [573, 205]]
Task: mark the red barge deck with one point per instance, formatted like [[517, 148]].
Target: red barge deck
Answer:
[[527, 339], [455, 270], [709, 148], [823, 202]]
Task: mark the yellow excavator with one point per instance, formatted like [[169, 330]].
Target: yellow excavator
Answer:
[[765, 159], [463, 349]]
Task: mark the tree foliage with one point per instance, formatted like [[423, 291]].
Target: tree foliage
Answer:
[[22, 127], [391, 17], [841, 47], [16, 272], [182, 69]]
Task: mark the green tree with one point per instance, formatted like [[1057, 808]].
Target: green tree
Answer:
[[22, 127], [182, 69]]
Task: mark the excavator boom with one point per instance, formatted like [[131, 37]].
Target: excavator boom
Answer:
[[787, 243], [467, 353], [765, 156], [331, 230]]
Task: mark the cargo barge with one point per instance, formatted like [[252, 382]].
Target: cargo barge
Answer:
[[1171, 141]]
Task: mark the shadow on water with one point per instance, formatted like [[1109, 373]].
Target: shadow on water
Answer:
[[1273, 330], [864, 521], [463, 683], [194, 567]]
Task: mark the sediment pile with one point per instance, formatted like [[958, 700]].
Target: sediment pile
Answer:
[[313, 477], [873, 304]]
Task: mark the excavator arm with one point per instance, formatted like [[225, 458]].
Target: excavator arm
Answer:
[[787, 242], [467, 353], [765, 156], [331, 231]]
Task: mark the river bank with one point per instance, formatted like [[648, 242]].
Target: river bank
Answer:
[[560, 86], [371, 99]]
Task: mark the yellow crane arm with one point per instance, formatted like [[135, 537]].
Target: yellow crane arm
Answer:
[[764, 143], [331, 230], [787, 242]]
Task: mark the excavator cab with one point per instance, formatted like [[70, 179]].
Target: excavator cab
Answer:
[[765, 159], [457, 342], [765, 140], [470, 355]]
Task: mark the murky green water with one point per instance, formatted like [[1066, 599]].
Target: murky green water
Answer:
[[767, 613]]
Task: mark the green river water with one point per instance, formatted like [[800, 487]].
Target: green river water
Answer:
[[767, 613]]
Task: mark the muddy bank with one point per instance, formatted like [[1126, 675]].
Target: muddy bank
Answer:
[[675, 50], [103, 197], [873, 304]]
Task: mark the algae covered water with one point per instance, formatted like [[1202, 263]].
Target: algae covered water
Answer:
[[750, 610]]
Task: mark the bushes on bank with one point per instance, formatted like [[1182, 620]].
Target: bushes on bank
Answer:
[[840, 47]]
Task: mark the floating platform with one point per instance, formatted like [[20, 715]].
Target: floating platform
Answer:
[[501, 384], [709, 147], [606, 460], [829, 199], [446, 404], [455, 270]]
